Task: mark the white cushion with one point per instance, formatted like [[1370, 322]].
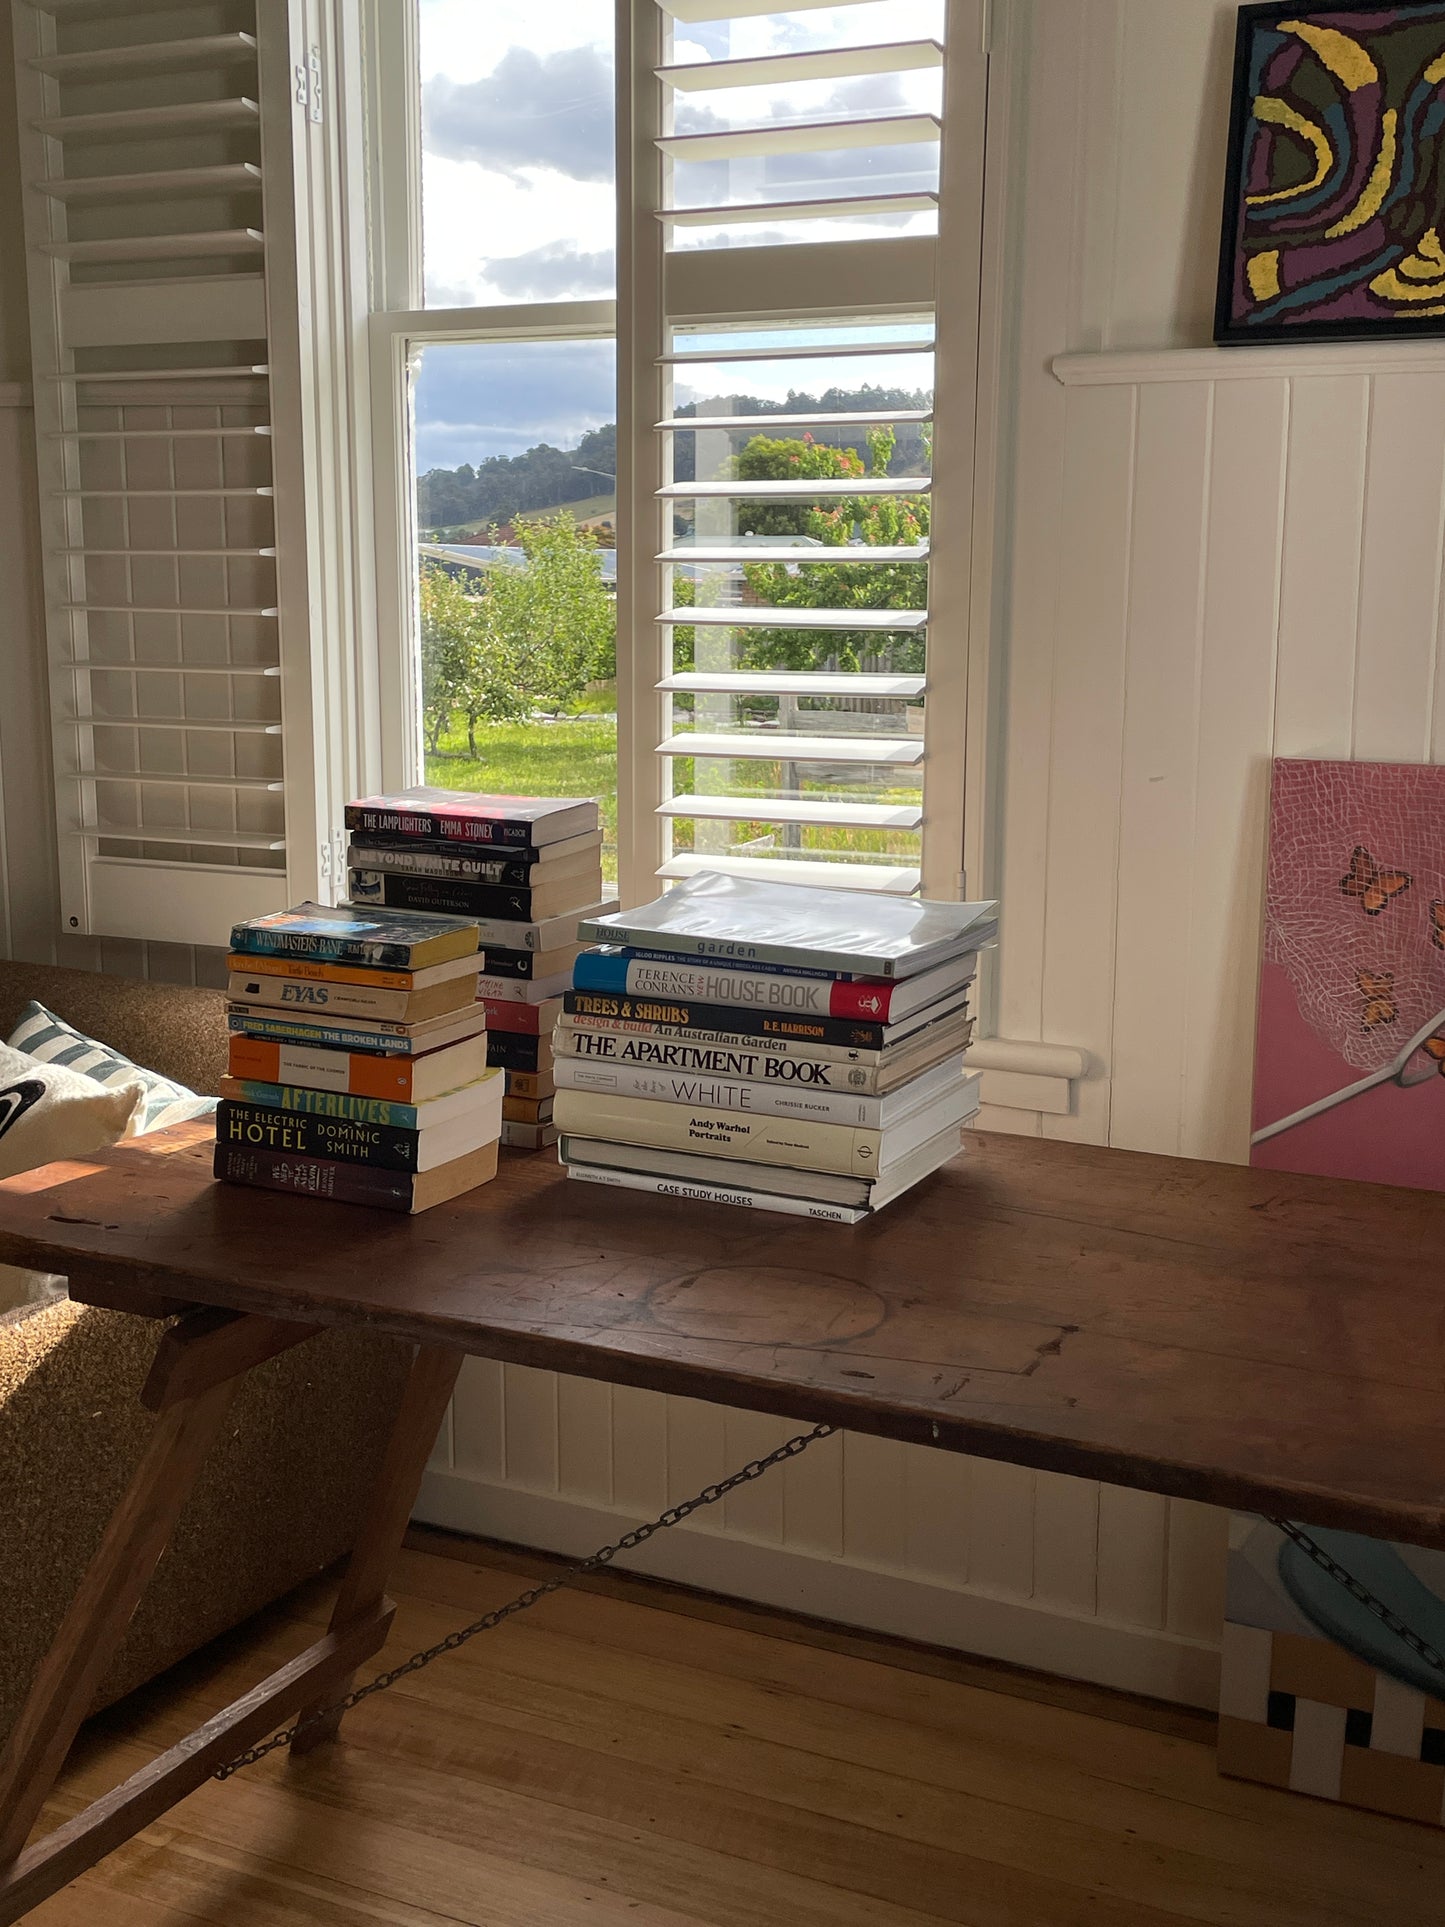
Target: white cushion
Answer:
[[48, 1112]]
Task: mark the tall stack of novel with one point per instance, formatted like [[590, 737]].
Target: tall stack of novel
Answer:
[[358, 1059], [752, 1044], [522, 869]]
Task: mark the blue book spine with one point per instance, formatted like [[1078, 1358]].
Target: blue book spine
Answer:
[[594, 971], [329, 1036], [724, 963]]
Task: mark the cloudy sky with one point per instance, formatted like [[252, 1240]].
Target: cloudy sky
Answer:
[[518, 192]]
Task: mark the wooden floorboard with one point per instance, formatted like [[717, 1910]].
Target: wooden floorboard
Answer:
[[629, 1755]]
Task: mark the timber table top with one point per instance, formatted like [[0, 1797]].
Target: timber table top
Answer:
[[1241, 1337]]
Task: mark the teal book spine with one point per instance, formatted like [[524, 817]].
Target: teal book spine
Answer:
[[345, 1105]]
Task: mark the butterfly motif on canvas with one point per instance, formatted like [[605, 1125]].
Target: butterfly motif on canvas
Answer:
[[1435, 1047], [1378, 991], [1375, 889], [1437, 925]]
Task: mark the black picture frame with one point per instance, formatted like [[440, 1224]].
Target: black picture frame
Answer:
[[1230, 331]]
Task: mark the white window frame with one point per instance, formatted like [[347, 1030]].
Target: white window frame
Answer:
[[658, 289]]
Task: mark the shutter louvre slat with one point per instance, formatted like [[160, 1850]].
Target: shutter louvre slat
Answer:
[[893, 750]]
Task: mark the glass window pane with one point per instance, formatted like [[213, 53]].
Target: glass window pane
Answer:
[[518, 202], [516, 508], [802, 682]]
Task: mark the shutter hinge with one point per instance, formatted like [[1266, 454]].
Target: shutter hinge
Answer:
[[332, 865], [308, 86]]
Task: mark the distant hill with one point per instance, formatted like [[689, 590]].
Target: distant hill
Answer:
[[545, 477]]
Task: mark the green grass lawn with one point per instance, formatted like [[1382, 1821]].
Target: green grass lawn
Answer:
[[577, 756]]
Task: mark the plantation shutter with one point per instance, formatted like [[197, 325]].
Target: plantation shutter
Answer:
[[197, 550], [796, 703]]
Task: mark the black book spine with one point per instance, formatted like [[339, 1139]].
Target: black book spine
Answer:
[[305, 1134], [315, 1177], [509, 963], [514, 1050], [445, 829], [455, 897], [453, 865], [736, 1019]]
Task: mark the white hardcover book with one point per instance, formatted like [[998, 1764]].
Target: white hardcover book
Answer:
[[741, 920], [824, 1186], [524, 990], [801, 1146], [829, 1067], [775, 1099], [772, 1201], [503, 934]]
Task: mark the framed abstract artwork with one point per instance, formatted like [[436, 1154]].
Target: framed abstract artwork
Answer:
[[1334, 214]]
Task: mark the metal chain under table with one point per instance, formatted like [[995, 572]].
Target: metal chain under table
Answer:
[[674, 1515], [629, 1541]]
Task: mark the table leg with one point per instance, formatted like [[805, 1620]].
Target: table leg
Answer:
[[428, 1392], [133, 1541]]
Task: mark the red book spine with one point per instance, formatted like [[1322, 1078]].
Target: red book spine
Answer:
[[867, 999], [503, 1014]]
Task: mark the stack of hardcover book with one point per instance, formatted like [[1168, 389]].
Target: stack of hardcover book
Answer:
[[749, 1043], [358, 1058], [522, 869]]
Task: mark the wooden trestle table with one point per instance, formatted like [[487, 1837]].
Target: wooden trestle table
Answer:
[[1240, 1337]]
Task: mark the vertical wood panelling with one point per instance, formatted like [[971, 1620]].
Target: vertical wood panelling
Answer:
[[1086, 753], [1133, 1556], [478, 1441], [757, 1510], [584, 1439], [1001, 1543], [1320, 579], [696, 1454], [1235, 731], [1400, 570], [1156, 809], [529, 1416], [639, 1451], [938, 1499], [1066, 1543], [875, 1522]]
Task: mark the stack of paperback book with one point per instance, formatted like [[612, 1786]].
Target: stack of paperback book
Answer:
[[358, 1059], [748, 1043], [522, 869]]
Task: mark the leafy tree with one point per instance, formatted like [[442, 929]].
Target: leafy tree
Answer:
[[448, 645], [553, 625], [888, 521], [523, 639]]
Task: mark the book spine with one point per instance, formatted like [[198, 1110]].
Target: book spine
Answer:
[[802, 1146], [309, 1134], [532, 1020], [721, 1093], [530, 1084], [514, 1050], [438, 827], [338, 1104], [365, 859], [380, 1042], [321, 1070], [734, 953], [775, 990], [341, 1000], [770, 1201], [314, 1177], [345, 950], [528, 1137], [667, 1048], [453, 897], [325, 973], [734, 1020]]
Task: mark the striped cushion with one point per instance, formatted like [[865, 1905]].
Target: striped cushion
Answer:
[[53, 1041]]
